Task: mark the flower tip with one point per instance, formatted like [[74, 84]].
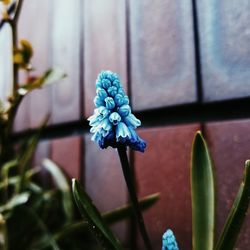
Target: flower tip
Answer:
[[169, 241], [113, 123]]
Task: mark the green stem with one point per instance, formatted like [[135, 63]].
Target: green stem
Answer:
[[3, 234], [131, 188]]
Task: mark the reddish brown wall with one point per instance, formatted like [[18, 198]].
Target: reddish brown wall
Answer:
[[185, 65]]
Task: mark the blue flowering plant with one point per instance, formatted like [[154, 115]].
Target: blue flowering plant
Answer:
[[113, 123]]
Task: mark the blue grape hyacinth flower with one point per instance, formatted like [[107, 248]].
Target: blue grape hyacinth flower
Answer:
[[169, 241], [113, 123]]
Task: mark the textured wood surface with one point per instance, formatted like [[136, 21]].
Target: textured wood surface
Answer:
[[5, 63], [164, 168], [66, 37], [67, 153], [225, 47], [104, 44], [162, 53], [38, 104]]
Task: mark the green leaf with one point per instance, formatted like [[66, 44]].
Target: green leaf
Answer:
[[94, 219], [203, 197], [49, 77], [7, 167], [53, 75], [5, 175], [109, 217], [12, 181], [62, 183], [237, 214], [16, 200]]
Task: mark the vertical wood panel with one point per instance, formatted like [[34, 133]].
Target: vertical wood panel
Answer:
[[162, 53], [34, 25], [6, 68], [164, 168], [66, 55], [225, 48], [66, 152], [40, 35], [104, 43]]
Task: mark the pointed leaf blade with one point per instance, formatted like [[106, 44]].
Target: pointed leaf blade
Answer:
[[202, 189], [93, 217], [16, 200], [237, 214]]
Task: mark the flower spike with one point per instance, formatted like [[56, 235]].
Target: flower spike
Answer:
[[112, 123], [169, 241]]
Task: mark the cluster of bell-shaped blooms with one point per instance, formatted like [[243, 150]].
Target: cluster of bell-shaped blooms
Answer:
[[169, 241], [112, 123]]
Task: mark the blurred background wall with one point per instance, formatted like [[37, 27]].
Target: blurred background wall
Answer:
[[185, 65]]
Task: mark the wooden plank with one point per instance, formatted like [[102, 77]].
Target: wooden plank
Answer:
[[104, 44], [34, 25], [225, 48], [67, 152], [162, 53], [165, 168], [66, 35], [6, 67]]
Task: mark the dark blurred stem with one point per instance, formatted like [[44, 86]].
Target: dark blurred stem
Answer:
[[17, 10], [13, 24], [15, 99], [12, 110], [8, 126], [15, 66], [131, 188]]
